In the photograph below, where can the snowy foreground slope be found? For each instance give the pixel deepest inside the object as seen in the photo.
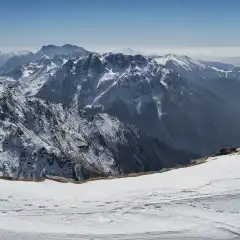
(199, 202)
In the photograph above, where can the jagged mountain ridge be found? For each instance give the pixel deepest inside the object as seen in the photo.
(31, 77)
(138, 91)
(50, 51)
(32, 70)
(92, 78)
(198, 70)
(38, 139)
(221, 78)
(157, 100)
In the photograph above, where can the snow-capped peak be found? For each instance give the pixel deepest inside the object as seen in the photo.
(180, 62)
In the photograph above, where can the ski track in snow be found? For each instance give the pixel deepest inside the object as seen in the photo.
(199, 202)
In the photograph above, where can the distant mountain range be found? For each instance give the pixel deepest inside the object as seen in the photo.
(232, 60)
(5, 56)
(75, 113)
(193, 69)
(17, 60)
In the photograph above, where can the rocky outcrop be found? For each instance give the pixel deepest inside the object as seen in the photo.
(161, 103)
(39, 139)
(227, 151)
(193, 116)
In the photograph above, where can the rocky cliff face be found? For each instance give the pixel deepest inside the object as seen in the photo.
(38, 139)
(182, 113)
(77, 114)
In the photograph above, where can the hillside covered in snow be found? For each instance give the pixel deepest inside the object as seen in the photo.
(198, 202)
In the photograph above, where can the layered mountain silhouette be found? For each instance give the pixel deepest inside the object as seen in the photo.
(132, 113)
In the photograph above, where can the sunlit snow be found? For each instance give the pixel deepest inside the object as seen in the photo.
(199, 202)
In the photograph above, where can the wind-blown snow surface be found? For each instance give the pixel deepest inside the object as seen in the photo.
(199, 202)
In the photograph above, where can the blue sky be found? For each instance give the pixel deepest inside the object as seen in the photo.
(101, 25)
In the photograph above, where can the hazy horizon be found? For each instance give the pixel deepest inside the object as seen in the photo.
(201, 29)
(207, 53)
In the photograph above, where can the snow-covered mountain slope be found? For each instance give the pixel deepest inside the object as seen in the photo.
(180, 62)
(31, 77)
(31, 71)
(38, 139)
(195, 116)
(199, 202)
(34, 76)
(155, 99)
(195, 70)
(49, 51)
(220, 78)
(95, 78)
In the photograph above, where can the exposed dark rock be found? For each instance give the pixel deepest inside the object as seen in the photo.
(39, 139)
(226, 151)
